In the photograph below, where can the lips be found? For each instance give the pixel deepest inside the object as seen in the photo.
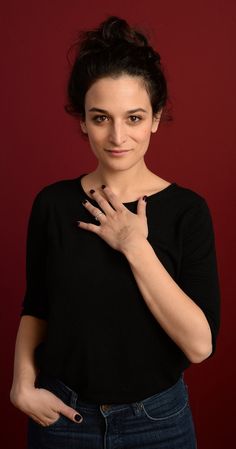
(118, 151)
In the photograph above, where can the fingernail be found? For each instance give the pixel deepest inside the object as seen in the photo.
(92, 191)
(84, 201)
(103, 186)
(145, 198)
(78, 418)
(78, 223)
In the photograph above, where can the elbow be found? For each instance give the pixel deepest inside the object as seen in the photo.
(200, 354)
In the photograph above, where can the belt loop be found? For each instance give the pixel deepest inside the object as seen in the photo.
(137, 407)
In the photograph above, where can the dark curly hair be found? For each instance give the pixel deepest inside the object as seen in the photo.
(114, 49)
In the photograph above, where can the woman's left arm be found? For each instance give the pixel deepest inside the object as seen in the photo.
(189, 311)
(175, 311)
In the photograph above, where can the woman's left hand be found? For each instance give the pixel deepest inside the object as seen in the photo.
(118, 226)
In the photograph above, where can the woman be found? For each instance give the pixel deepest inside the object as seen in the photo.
(122, 284)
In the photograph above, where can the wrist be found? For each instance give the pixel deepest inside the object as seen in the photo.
(19, 391)
(134, 247)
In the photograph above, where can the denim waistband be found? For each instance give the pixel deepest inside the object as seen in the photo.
(71, 398)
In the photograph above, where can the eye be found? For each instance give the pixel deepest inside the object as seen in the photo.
(99, 118)
(136, 118)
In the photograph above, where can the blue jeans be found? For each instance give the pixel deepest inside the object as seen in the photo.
(161, 421)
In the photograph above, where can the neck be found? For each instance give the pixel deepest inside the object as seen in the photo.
(122, 182)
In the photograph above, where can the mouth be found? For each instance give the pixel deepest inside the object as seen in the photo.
(117, 152)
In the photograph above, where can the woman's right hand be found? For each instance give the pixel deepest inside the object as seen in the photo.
(42, 406)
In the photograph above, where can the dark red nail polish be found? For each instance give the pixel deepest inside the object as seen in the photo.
(92, 191)
(78, 418)
(103, 186)
(84, 201)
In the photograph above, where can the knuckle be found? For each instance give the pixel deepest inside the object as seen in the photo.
(110, 194)
(121, 212)
(60, 407)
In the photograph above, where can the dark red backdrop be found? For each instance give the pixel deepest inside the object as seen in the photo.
(41, 144)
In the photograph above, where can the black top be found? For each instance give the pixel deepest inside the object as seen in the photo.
(102, 339)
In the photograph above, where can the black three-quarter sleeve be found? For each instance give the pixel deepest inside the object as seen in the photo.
(35, 299)
(199, 272)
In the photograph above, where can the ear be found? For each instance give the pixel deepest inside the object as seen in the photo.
(83, 127)
(156, 121)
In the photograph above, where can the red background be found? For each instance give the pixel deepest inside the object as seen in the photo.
(42, 144)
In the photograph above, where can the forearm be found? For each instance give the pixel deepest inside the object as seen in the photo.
(30, 333)
(176, 312)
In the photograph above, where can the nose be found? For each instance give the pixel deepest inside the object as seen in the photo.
(117, 134)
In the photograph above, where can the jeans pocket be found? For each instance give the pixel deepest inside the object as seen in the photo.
(168, 404)
(156, 415)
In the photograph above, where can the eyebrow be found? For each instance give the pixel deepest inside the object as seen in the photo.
(106, 112)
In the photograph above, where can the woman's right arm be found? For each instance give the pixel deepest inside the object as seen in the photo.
(38, 403)
(30, 333)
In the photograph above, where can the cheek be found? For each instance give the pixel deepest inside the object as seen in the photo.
(144, 134)
(96, 141)
(96, 135)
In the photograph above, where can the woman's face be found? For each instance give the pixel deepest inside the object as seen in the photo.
(118, 116)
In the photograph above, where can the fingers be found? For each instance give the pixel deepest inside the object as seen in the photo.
(89, 226)
(95, 212)
(110, 198)
(141, 206)
(44, 420)
(108, 211)
(67, 411)
(71, 413)
(92, 209)
(37, 420)
(106, 207)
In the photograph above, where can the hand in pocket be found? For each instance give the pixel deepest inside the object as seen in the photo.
(43, 406)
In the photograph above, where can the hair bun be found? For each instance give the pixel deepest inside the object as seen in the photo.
(115, 29)
(115, 32)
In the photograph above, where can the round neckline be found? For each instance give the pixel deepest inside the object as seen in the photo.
(153, 195)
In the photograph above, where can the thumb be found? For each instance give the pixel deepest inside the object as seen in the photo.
(141, 206)
(71, 413)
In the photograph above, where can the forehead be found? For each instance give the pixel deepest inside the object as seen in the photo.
(123, 92)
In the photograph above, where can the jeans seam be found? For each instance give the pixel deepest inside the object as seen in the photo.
(166, 417)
